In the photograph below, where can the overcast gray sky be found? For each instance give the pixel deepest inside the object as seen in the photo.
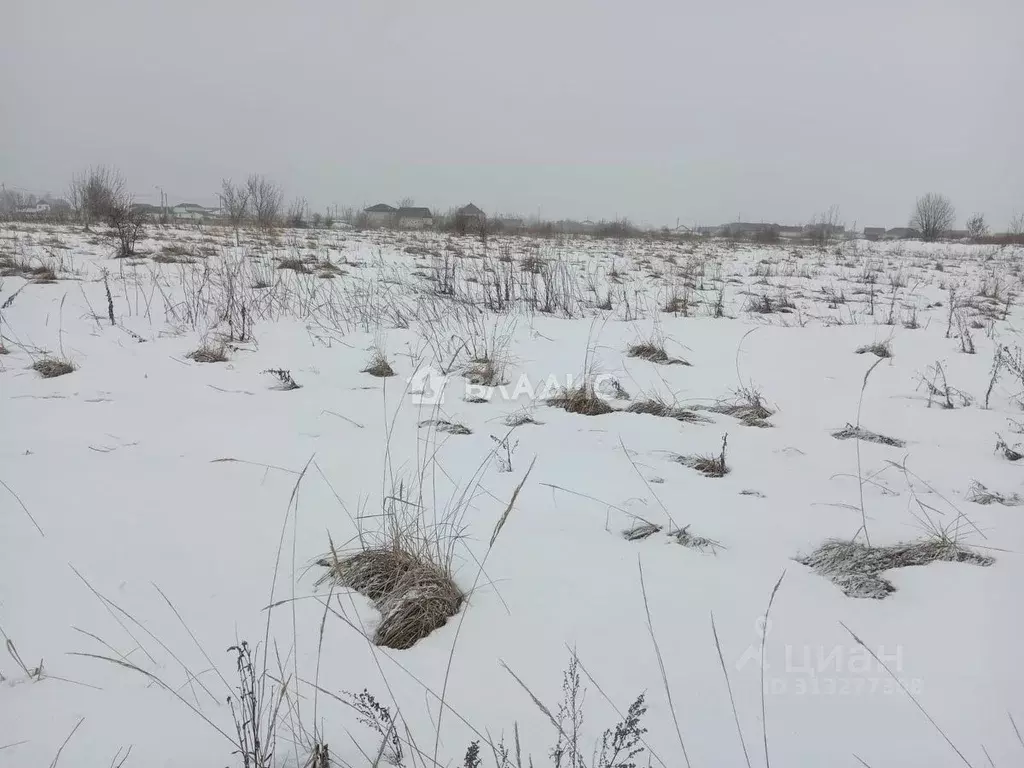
(656, 110)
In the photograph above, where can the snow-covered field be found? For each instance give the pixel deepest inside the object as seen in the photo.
(153, 507)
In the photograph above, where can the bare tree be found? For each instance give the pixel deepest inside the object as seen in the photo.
(297, 213)
(1016, 228)
(976, 226)
(127, 222)
(10, 201)
(265, 197)
(825, 227)
(93, 193)
(933, 216)
(236, 203)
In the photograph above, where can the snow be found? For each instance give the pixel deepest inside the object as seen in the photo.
(150, 473)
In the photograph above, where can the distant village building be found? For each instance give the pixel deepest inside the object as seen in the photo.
(192, 212)
(874, 233)
(510, 224)
(38, 208)
(470, 218)
(380, 215)
(414, 218)
(746, 229)
(901, 233)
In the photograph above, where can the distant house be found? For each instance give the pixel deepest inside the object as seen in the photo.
(472, 212)
(902, 233)
(152, 211)
(380, 215)
(469, 218)
(414, 218)
(874, 233)
(38, 208)
(786, 230)
(509, 224)
(746, 229)
(191, 212)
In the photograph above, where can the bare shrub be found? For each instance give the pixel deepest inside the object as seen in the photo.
(93, 193)
(939, 390)
(266, 198)
(933, 216)
(235, 198)
(256, 715)
(976, 226)
(127, 222)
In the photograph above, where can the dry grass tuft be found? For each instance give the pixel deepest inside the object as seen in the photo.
(209, 354)
(519, 419)
(294, 264)
(856, 568)
(484, 372)
(653, 352)
(655, 406)
(581, 399)
(878, 349)
(640, 530)
(414, 596)
(692, 541)
(379, 366)
(450, 427)
(175, 253)
(52, 367)
(979, 494)
(747, 405)
(850, 431)
(709, 466)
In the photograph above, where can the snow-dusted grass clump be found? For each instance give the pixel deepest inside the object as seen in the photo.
(857, 568)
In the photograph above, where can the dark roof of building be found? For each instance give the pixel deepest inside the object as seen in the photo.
(193, 206)
(414, 213)
(470, 210)
(380, 208)
(748, 226)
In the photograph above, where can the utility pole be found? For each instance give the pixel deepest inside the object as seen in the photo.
(163, 202)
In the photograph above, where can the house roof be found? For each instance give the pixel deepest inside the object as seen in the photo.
(379, 208)
(748, 226)
(414, 213)
(192, 206)
(470, 210)
(874, 230)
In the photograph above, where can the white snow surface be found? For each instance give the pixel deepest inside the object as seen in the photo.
(121, 463)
